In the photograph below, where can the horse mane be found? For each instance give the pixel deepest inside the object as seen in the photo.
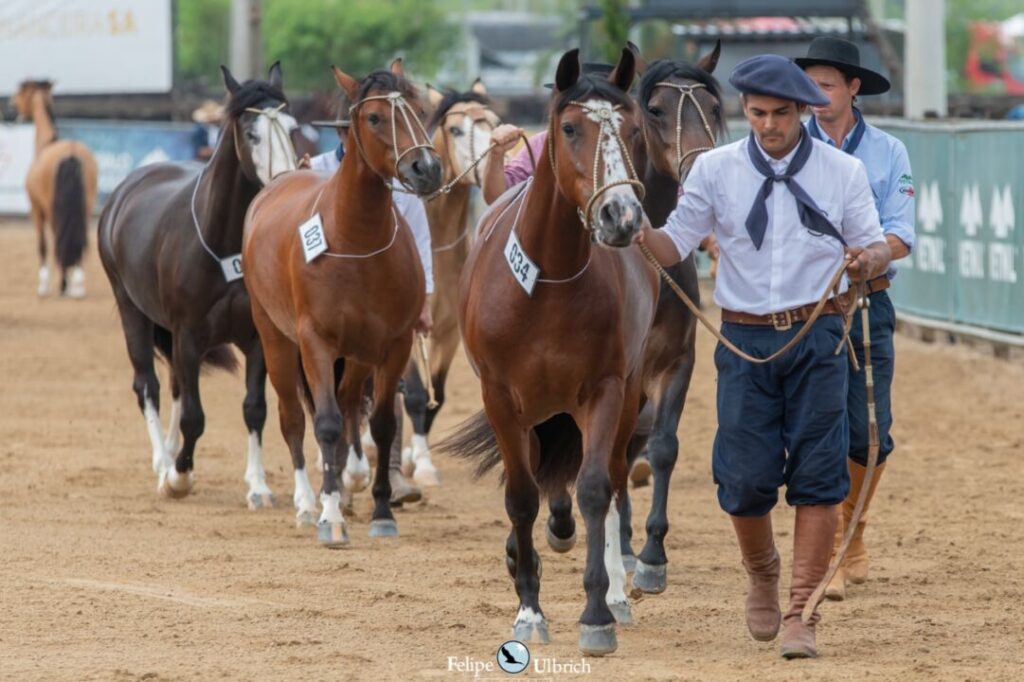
(591, 86)
(250, 94)
(385, 80)
(664, 69)
(451, 98)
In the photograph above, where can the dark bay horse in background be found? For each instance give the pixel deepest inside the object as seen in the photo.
(61, 186)
(462, 123)
(169, 239)
(555, 310)
(337, 288)
(682, 118)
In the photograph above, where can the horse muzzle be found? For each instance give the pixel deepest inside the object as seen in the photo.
(617, 220)
(421, 172)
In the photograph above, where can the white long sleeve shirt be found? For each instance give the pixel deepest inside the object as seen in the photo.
(793, 266)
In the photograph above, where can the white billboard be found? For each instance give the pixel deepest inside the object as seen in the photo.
(87, 46)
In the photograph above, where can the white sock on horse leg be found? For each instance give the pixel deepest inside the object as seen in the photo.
(172, 443)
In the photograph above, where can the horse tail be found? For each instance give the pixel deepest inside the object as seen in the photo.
(69, 219)
(561, 449)
(219, 357)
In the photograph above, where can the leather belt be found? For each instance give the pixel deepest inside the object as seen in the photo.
(782, 320)
(880, 283)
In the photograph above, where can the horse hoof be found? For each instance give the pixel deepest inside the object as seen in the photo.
(650, 579)
(383, 528)
(640, 472)
(558, 544)
(332, 535)
(598, 640)
(175, 485)
(623, 614)
(629, 563)
(524, 632)
(257, 501)
(426, 474)
(305, 519)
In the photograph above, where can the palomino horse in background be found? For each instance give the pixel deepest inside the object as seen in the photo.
(61, 185)
(555, 309)
(169, 238)
(682, 118)
(337, 289)
(462, 125)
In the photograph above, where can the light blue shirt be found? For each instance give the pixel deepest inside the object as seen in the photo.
(889, 175)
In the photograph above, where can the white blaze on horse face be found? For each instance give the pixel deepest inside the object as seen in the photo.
(615, 168)
(613, 557)
(272, 153)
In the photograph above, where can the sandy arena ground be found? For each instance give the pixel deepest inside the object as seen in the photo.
(102, 579)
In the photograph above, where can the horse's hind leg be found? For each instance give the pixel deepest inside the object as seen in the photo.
(254, 411)
(383, 426)
(186, 358)
(138, 335)
(39, 220)
(416, 461)
(282, 363)
(172, 441)
(663, 449)
(561, 527)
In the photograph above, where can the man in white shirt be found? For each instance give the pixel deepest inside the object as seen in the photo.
(785, 209)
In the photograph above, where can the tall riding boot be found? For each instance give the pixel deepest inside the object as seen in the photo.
(855, 564)
(401, 490)
(836, 590)
(814, 533)
(761, 560)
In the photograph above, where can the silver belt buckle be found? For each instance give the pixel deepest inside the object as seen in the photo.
(782, 321)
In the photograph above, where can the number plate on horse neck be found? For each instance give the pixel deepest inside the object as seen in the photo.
(231, 267)
(524, 270)
(311, 234)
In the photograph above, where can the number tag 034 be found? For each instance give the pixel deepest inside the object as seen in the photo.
(523, 269)
(231, 267)
(311, 234)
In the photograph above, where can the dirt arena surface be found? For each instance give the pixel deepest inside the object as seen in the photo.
(102, 579)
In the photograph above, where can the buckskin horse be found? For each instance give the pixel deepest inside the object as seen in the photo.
(61, 186)
(337, 289)
(555, 310)
(169, 239)
(461, 124)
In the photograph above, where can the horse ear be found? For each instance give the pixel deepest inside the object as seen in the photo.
(641, 63)
(434, 96)
(347, 83)
(275, 74)
(568, 71)
(709, 61)
(622, 75)
(479, 88)
(229, 81)
(397, 68)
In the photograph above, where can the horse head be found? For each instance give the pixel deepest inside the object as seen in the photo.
(259, 125)
(28, 91)
(387, 127)
(676, 132)
(462, 125)
(593, 134)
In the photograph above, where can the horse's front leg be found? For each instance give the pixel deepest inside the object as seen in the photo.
(254, 411)
(606, 425)
(383, 425)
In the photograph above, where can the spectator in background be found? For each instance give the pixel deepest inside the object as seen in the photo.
(208, 117)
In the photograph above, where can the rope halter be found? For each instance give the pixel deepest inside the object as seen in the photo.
(478, 116)
(686, 92)
(605, 115)
(399, 105)
(276, 129)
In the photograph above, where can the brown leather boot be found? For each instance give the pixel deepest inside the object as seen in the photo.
(761, 560)
(836, 590)
(855, 564)
(813, 536)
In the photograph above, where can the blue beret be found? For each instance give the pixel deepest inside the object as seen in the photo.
(776, 76)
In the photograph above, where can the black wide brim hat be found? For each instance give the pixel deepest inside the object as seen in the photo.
(845, 56)
(590, 69)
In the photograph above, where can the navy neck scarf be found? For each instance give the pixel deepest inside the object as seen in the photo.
(858, 132)
(810, 215)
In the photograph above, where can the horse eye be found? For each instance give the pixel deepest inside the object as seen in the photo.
(251, 136)
(456, 131)
(568, 129)
(716, 110)
(374, 119)
(654, 111)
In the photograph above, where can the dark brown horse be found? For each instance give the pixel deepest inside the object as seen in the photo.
(682, 118)
(555, 311)
(169, 238)
(461, 124)
(337, 289)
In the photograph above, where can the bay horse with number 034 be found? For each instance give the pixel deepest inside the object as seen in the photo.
(169, 239)
(555, 309)
(337, 289)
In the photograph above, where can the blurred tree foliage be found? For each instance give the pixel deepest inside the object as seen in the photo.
(201, 39)
(612, 30)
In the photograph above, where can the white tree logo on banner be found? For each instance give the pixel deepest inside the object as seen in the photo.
(1003, 221)
(971, 251)
(929, 253)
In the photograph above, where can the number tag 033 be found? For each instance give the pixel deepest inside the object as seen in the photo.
(523, 269)
(311, 234)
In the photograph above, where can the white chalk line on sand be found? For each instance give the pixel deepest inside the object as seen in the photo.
(163, 592)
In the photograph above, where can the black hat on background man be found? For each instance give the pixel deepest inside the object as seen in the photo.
(845, 56)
